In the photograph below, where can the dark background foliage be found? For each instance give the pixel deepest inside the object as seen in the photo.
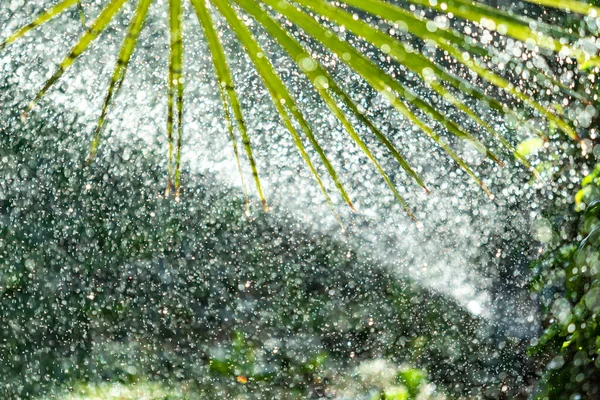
(566, 279)
(104, 279)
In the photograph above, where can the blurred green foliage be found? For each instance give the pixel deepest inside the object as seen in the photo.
(568, 282)
(104, 280)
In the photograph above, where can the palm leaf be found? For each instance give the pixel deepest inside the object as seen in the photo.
(380, 81)
(314, 76)
(127, 48)
(518, 28)
(227, 86)
(571, 6)
(476, 48)
(297, 52)
(442, 80)
(419, 28)
(220, 64)
(281, 96)
(175, 91)
(414, 61)
(491, 18)
(99, 24)
(40, 20)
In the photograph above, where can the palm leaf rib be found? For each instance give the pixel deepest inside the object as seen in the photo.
(463, 46)
(40, 20)
(476, 48)
(99, 24)
(127, 49)
(178, 80)
(175, 92)
(369, 70)
(390, 12)
(340, 93)
(286, 106)
(502, 83)
(380, 81)
(227, 86)
(81, 11)
(297, 52)
(282, 100)
(492, 18)
(217, 51)
(236, 153)
(571, 6)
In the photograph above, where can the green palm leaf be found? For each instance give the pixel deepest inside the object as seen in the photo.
(301, 13)
(81, 11)
(383, 83)
(572, 6)
(430, 72)
(419, 28)
(224, 78)
(40, 20)
(99, 24)
(175, 91)
(494, 19)
(331, 103)
(122, 63)
(227, 86)
(280, 96)
(297, 52)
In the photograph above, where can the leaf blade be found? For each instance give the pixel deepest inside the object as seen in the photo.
(97, 27)
(282, 99)
(390, 12)
(175, 93)
(120, 70)
(571, 6)
(227, 87)
(46, 16)
(378, 79)
(297, 52)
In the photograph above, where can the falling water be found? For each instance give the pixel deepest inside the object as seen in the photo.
(466, 243)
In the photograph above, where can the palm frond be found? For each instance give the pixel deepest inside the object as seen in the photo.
(518, 28)
(321, 85)
(429, 71)
(127, 48)
(40, 20)
(224, 78)
(281, 97)
(418, 26)
(99, 24)
(175, 91)
(297, 52)
(308, 16)
(571, 6)
(227, 86)
(382, 82)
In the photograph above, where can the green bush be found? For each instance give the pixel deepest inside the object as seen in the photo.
(102, 279)
(568, 281)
